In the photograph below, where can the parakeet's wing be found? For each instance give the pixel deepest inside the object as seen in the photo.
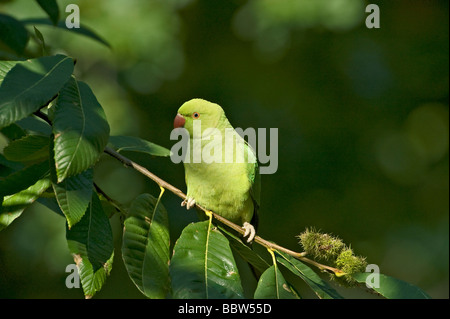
(255, 181)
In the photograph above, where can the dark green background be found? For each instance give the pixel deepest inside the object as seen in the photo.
(362, 117)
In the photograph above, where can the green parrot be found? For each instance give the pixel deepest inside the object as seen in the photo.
(221, 168)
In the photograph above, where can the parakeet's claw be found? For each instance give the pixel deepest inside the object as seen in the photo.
(188, 202)
(249, 231)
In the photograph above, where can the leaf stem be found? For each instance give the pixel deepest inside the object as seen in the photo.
(114, 203)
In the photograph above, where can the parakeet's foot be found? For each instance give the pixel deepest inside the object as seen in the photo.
(188, 202)
(249, 231)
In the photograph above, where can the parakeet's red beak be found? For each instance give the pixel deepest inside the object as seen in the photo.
(179, 121)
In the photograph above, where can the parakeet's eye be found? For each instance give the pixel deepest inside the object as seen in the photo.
(195, 115)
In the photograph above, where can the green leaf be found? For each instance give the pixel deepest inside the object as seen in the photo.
(35, 125)
(41, 39)
(8, 167)
(135, 144)
(145, 246)
(29, 85)
(74, 195)
(82, 30)
(92, 281)
(317, 284)
(51, 8)
(92, 236)
(203, 266)
(23, 178)
(13, 35)
(392, 288)
(13, 132)
(248, 254)
(272, 285)
(5, 67)
(91, 243)
(51, 203)
(80, 129)
(28, 149)
(14, 205)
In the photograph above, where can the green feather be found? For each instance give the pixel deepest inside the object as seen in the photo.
(230, 189)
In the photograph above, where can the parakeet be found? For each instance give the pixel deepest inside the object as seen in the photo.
(221, 169)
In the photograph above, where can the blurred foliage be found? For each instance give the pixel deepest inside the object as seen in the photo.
(362, 115)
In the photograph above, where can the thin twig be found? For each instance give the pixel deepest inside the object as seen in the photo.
(162, 183)
(114, 203)
(127, 162)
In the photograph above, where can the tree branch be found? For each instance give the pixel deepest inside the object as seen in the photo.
(162, 183)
